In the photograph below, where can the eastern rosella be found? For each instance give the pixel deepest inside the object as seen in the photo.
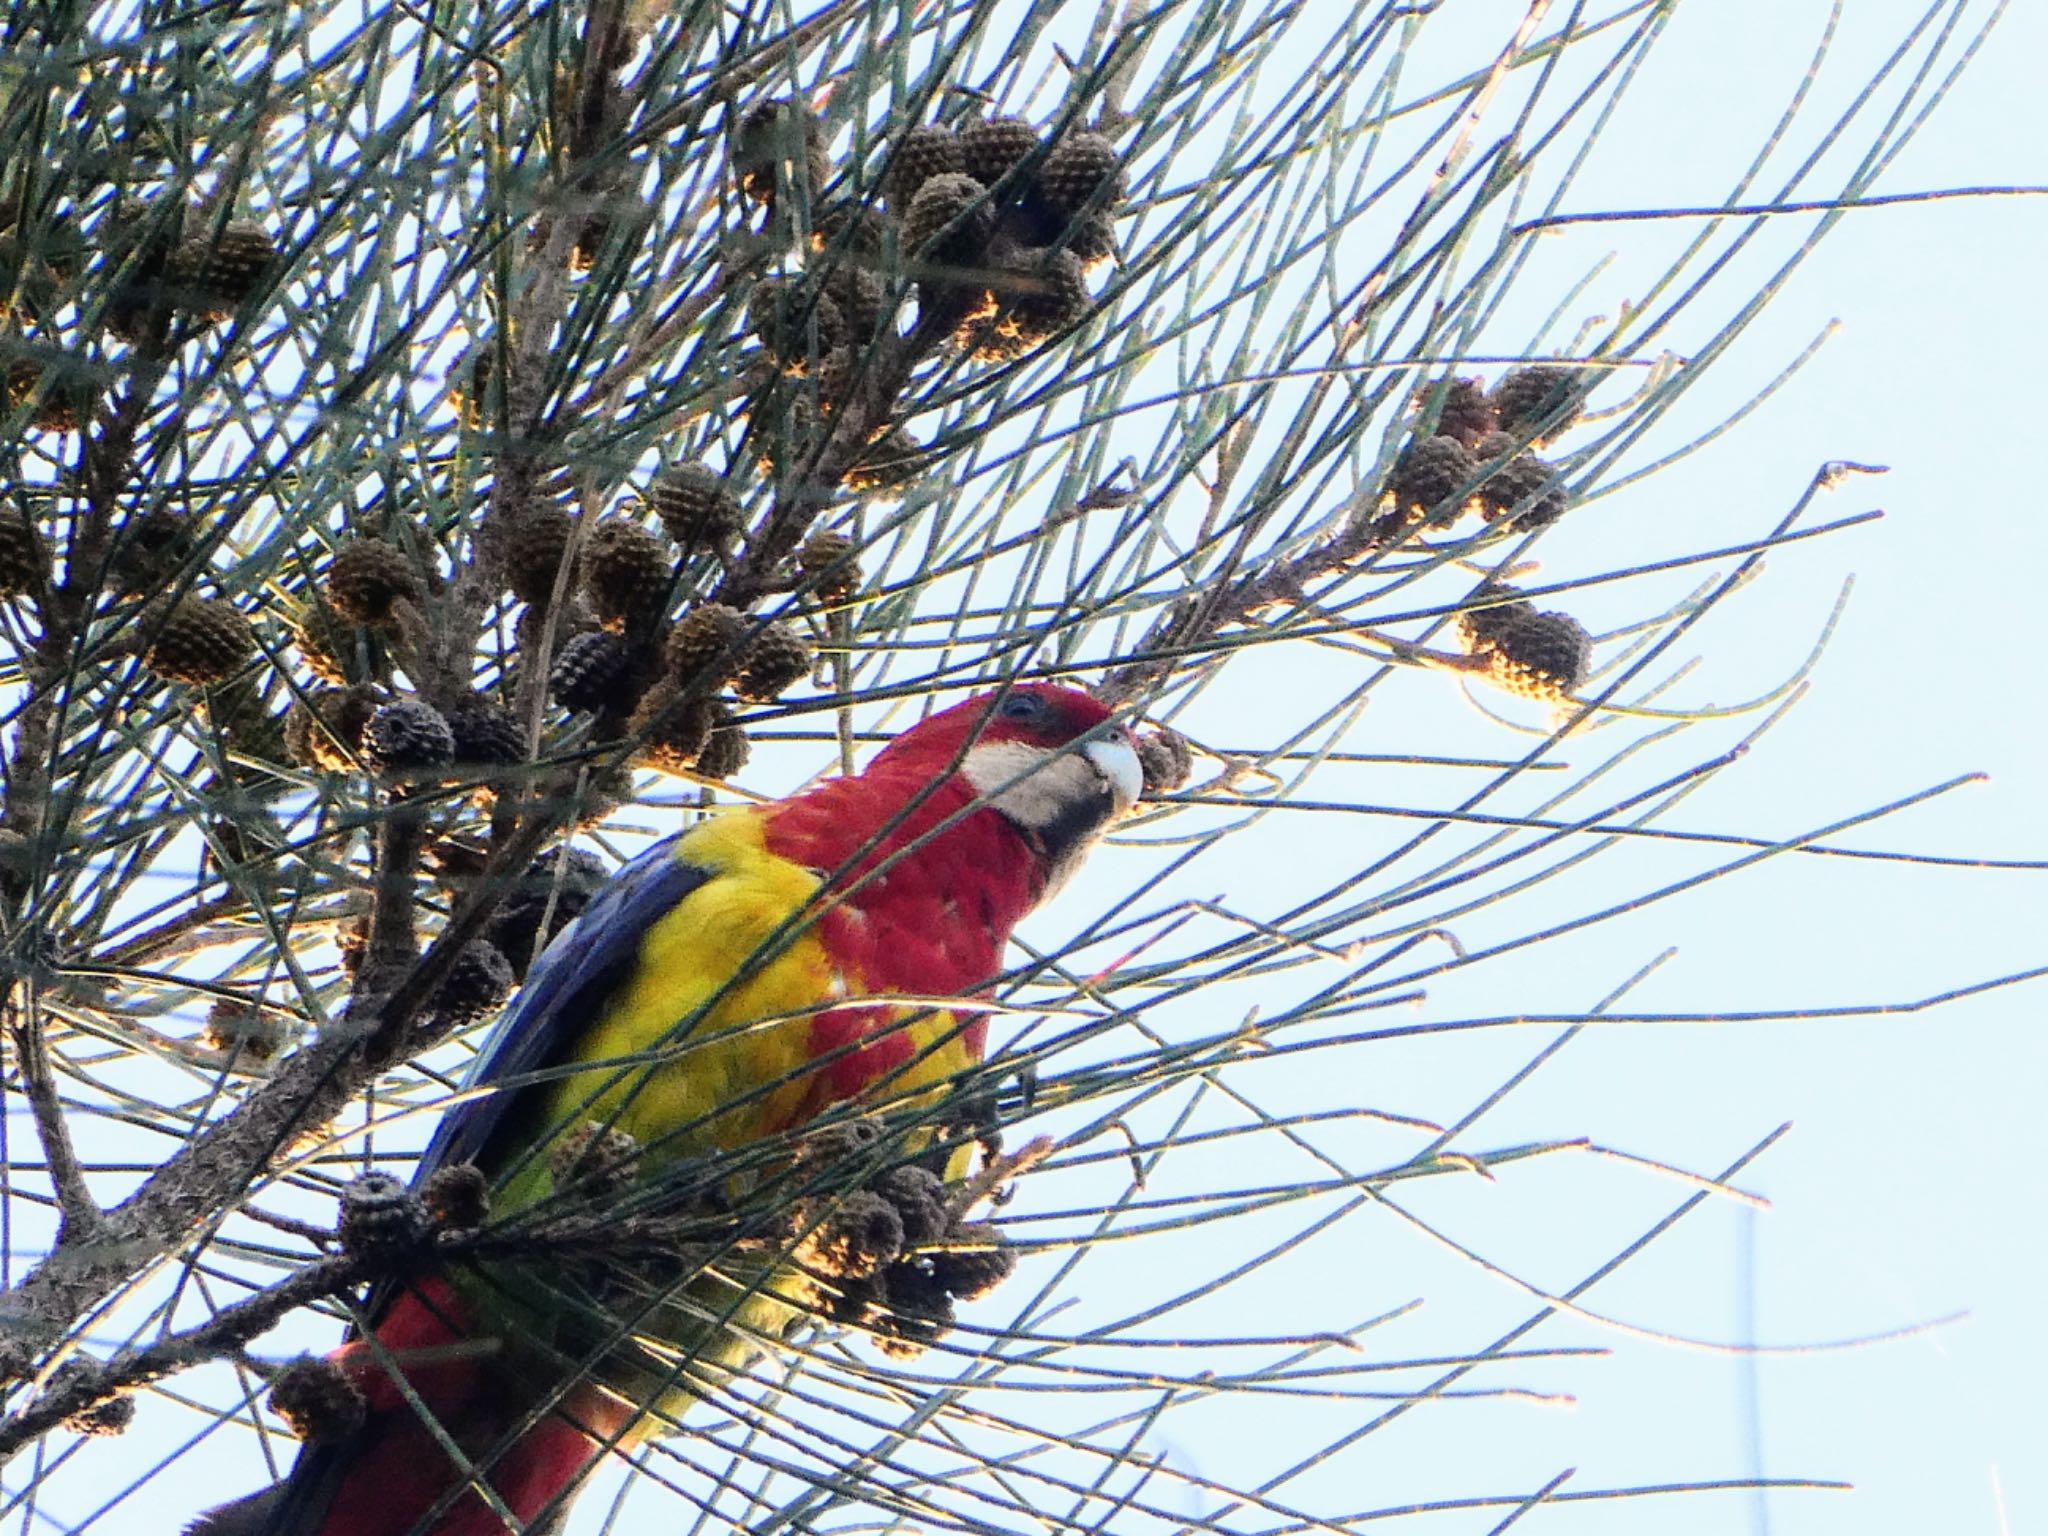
(714, 967)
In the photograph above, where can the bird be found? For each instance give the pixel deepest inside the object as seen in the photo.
(708, 1000)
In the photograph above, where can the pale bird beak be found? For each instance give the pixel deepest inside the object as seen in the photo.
(1116, 759)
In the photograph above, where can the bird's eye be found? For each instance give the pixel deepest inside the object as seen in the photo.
(1025, 708)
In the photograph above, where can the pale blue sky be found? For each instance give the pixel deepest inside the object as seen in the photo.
(1907, 1189)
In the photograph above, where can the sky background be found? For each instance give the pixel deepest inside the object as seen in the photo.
(1907, 1190)
(1905, 1195)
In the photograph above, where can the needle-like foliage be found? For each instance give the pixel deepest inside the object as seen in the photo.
(444, 445)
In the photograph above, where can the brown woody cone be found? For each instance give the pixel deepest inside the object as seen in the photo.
(971, 1273)
(920, 1200)
(795, 321)
(949, 223)
(697, 507)
(601, 791)
(827, 565)
(1541, 401)
(380, 1218)
(1546, 656)
(1092, 239)
(861, 296)
(777, 660)
(918, 156)
(1495, 447)
(1466, 413)
(725, 751)
(325, 729)
(915, 1311)
(334, 651)
(892, 461)
(486, 733)
(627, 574)
(197, 640)
(1478, 627)
(1522, 485)
(317, 1401)
(535, 545)
(475, 987)
(215, 272)
(707, 646)
(672, 732)
(995, 147)
(1081, 170)
(367, 578)
(855, 230)
(1058, 297)
(534, 626)
(408, 736)
(1430, 474)
(596, 673)
(782, 134)
(859, 1234)
(457, 1197)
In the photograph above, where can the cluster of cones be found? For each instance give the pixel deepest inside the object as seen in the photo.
(990, 224)
(618, 657)
(888, 1251)
(895, 1254)
(597, 601)
(993, 225)
(149, 273)
(1475, 452)
(149, 267)
(1535, 653)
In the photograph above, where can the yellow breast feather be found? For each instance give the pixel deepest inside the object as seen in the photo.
(704, 1045)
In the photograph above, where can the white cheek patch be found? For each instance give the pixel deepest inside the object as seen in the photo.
(1026, 783)
(1062, 800)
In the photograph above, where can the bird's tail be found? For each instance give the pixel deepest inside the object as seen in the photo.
(431, 1383)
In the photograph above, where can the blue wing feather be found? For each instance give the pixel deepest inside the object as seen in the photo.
(570, 981)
